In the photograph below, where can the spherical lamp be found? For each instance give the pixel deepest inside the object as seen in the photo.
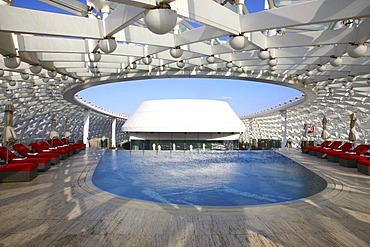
(45, 79)
(299, 77)
(335, 61)
(64, 77)
(35, 69)
(229, 64)
(25, 76)
(356, 51)
(272, 62)
(12, 83)
(107, 45)
(308, 72)
(239, 70)
(95, 56)
(126, 70)
(238, 42)
(181, 64)
(133, 65)
(321, 68)
(12, 62)
(52, 73)
(211, 59)
(147, 60)
(273, 68)
(176, 52)
(263, 54)
(160, 21)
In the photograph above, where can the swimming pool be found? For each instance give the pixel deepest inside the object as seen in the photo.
(205, 178)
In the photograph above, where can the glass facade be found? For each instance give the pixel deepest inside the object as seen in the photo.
(184, 145)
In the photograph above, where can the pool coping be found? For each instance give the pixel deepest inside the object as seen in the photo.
(334, 188)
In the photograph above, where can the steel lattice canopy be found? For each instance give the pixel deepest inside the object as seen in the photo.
(47, 58)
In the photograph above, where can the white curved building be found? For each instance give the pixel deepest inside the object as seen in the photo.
(184, 122)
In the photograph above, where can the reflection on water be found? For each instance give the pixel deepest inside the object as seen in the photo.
(205, 178)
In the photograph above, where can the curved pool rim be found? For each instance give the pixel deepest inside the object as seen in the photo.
(333, 188)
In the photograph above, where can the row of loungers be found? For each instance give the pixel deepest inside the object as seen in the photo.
(33, 158)
(343, 153)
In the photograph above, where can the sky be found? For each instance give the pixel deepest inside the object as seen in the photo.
(243, 96)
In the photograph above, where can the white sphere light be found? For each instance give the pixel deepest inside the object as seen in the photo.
(201, 67)
(160, 21)
(272, 62)
(52, 73)
(273, 68)
(356, 51)
(308, 72)
(12, 83)
(299, 77)
(1, 72)
(95, 56)
(25, 76)
(35, 69)
(133, 65)
(211, 59)
(64, 77)
(107, 45)
(147, 60)
(180, 64)
(321, 68)
(335, 61)
(12, 62)
(176, 52)
(238, 42)
(264, 54)
(126, 70)
(45, 79)
(239, 70)
(229, 64)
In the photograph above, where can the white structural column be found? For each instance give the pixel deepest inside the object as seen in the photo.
(86, 127)
(284, 131)
(114, 123)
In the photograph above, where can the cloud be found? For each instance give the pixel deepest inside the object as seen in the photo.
(225, 98)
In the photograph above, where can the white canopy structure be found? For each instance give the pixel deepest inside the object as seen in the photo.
(319, 47)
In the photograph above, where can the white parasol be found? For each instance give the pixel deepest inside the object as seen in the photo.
(53, 132)
(324, 134)
(9, 136)
(66, 130)
(353, 135)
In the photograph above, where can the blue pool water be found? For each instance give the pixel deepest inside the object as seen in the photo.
(205, 179)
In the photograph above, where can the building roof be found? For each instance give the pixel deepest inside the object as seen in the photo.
(184, 115)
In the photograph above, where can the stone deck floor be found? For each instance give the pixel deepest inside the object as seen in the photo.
(62, 208)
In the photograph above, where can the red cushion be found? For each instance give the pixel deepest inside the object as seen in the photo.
(40, 150)
(31, 160)
(335, 153)
(333, 145)
(46, 146)
(18, 167)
